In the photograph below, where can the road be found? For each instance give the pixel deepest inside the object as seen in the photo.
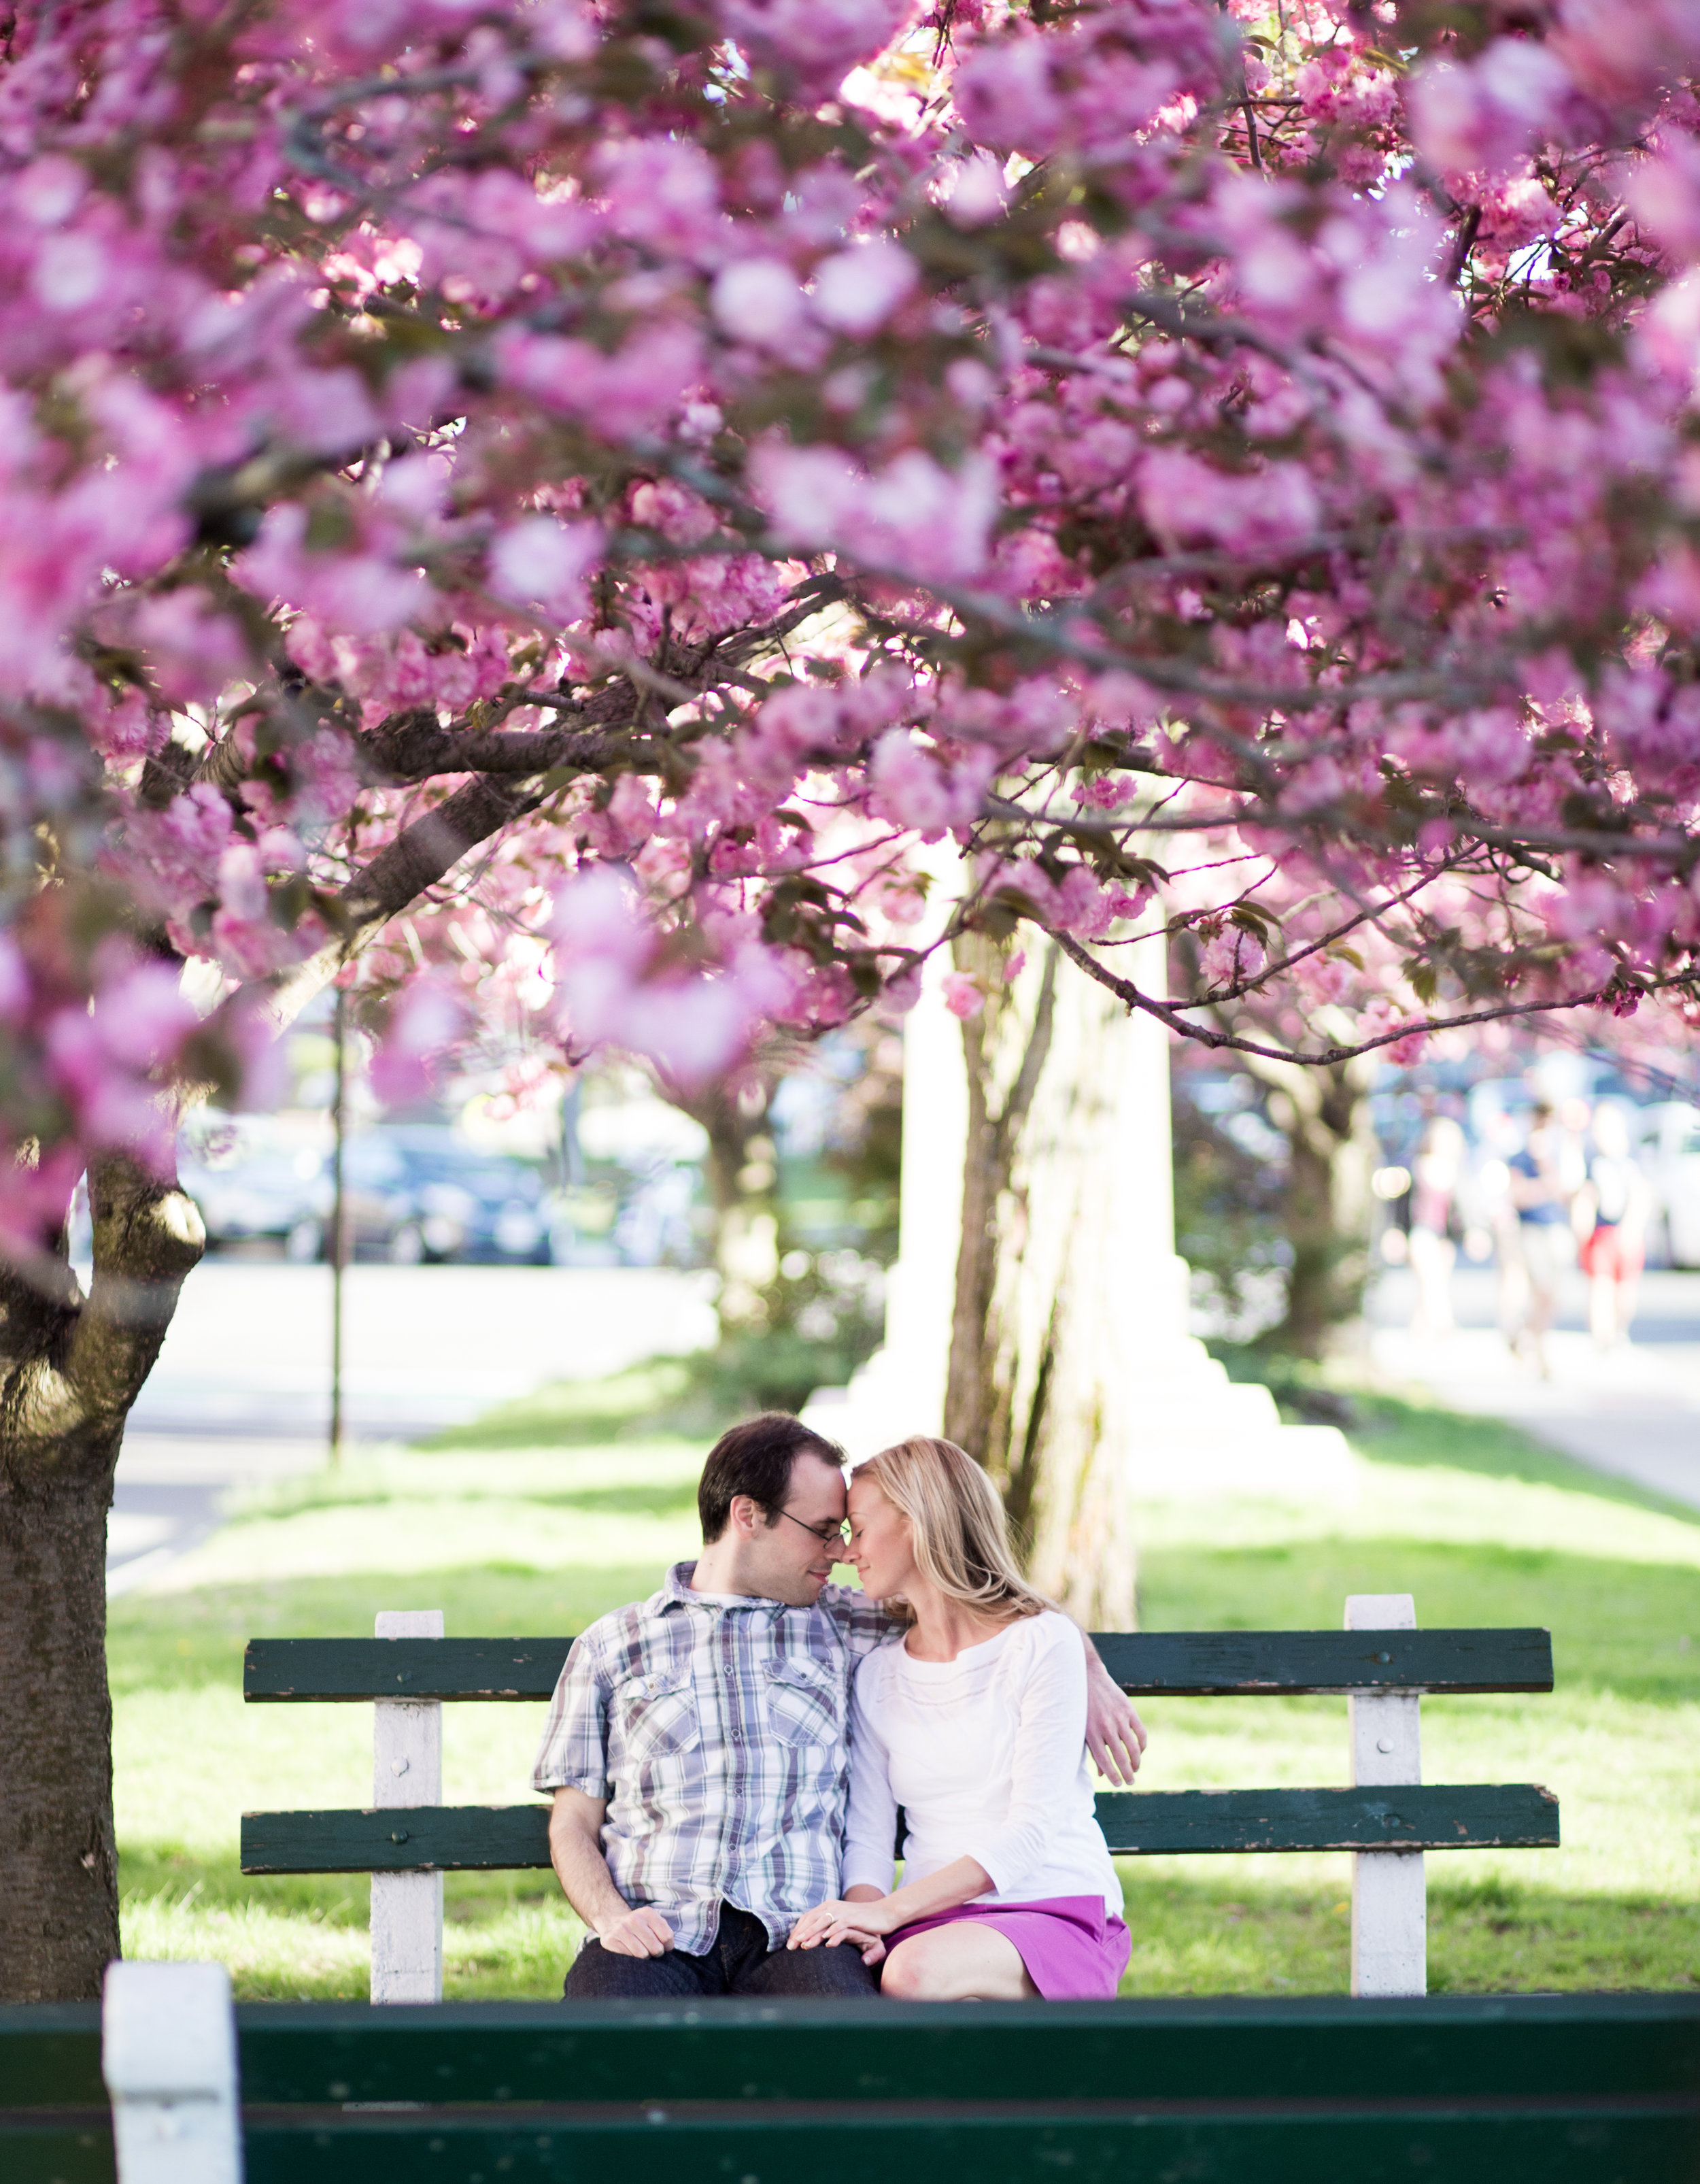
(240, 1393)
(1634, 1412)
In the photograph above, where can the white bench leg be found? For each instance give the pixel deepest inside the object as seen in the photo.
(407, 1770)
(1389, 1888)
(169, 2056)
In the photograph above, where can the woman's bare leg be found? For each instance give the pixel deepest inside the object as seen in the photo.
(964, 1962)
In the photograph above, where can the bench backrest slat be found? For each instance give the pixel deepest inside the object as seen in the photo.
(1146, 1663)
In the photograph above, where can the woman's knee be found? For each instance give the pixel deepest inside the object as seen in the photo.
(909, 1972)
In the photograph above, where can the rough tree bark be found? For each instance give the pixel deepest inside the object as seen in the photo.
(1033, 1390)
(72, 1365)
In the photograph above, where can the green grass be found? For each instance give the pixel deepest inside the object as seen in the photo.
(557, 1507)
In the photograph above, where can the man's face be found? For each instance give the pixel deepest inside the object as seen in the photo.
(792, 1558)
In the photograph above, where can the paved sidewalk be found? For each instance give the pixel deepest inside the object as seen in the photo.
(240, 1394)
(1634, 1412)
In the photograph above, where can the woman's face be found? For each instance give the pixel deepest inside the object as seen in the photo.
(880, 1546)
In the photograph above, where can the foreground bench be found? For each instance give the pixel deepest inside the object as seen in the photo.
(1380, 1662)
(1517, 2089)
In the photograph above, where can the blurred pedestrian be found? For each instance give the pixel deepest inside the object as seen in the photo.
(1612, 1205)
(1434, 1175)
(1540, 1193)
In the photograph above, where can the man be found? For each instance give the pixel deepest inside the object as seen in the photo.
(696, 1744)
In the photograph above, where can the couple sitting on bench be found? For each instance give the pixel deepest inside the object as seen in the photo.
(728, 1757)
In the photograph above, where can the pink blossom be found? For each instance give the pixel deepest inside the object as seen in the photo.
(427, 1021)
(626, 822)
(962, 995)
(1184, 500)
(816, 41)
(542, 563)
(355, 591)
(759, 300)
(976, 192)
(629, 392)
(856, 291)
(1084, 908)
(194, 650)
(1002, 91)
(913, 516)
(914, 788)
(14, 981)
(1481, 116)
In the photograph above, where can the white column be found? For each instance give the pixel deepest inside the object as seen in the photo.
(169, 2056)
(407, 1770)
(1389, 1892)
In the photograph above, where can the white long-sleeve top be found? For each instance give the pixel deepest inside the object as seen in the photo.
(986, 1754)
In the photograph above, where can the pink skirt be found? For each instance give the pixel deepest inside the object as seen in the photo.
(1073, 1949)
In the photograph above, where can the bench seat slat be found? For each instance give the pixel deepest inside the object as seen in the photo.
(496, 1838)
(1147, 1663)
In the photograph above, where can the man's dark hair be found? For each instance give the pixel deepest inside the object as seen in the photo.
(755, 1458)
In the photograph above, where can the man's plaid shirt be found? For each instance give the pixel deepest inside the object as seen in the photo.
(716, 1729)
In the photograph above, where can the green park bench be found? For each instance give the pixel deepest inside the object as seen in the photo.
(1389, 2085)
(1451, 2089)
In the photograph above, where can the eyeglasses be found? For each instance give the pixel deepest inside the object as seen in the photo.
(837, 1531)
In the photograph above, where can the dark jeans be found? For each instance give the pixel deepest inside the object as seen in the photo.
(738, 1962)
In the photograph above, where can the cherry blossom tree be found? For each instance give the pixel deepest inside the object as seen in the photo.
(563, 500)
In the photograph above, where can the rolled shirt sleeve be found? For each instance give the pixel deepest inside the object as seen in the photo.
(1049, 1741)
(574, 1752)
(870, 1830)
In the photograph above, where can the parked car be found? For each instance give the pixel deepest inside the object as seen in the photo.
(418, 1192)
(254, 1184)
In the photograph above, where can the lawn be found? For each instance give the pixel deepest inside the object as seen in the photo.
(552, 1510)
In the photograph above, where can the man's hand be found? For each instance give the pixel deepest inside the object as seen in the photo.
(576, 1847)
(641, 1933)
(1115, 1734)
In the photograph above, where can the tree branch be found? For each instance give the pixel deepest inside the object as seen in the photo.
(1170, 1013)
(420, 855)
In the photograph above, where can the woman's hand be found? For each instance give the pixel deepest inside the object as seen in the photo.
(862, 1924)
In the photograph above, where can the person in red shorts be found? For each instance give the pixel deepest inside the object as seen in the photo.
(1613, 1209)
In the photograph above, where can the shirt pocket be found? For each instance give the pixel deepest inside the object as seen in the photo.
(805, 1704)
(661, 1716)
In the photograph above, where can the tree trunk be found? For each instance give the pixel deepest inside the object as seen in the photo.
(741, 1177)
(1324, 1118)
(1035, 1392)
(73, 1366)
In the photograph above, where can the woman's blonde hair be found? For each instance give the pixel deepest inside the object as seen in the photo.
(958, 1531)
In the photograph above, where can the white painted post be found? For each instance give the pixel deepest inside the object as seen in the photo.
(168, 2055)
(407, 1770)
(1389, 1890)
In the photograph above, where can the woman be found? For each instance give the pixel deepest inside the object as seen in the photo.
(973, 1719)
